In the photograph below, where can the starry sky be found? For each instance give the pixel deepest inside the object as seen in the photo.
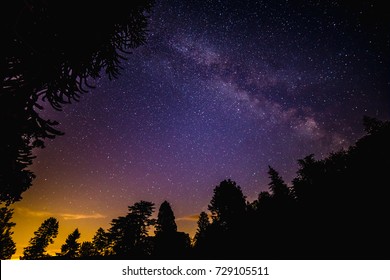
(222, 89)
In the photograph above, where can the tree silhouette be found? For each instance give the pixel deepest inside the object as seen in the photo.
(168, 243)
(277, 186)
(365, 201)
(7, 245)
(200, 238)
(263, 202)
(165, 219)
(40, 63)
(87, 250)
(101, 242)
(373, 125)
(225, 236)
(129, 234)
(278, 213)
(259, 217)
(228, 204)
(42, 238)
(15, 156)
(336, 208)
(347, 194)
(203, 225)
(70, 249)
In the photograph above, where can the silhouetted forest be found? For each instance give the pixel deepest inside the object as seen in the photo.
(335, 208)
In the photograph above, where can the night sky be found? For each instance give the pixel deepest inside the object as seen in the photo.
(222, 89)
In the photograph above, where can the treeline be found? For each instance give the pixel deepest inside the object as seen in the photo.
(127, 238)
(335, 208)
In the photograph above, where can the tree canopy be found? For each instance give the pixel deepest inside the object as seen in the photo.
(52, 52)
(165, 219)
(228, 204)
(129, 234)
(44, 236)
(7, 245)
(70, 249)
(101, 242)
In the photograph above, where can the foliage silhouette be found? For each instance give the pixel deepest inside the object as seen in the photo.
(70, 250)
(129, 235)
(335, 208)
(276, 211)
(225, 235)
(40, 63)
(277, 186)
(165, 219)
(87, 250)
(168, 242)
(101, 243)
(200, 238)
(7, 245)
(347, 193)
(44, 236)
(227, 205)
(203, 225)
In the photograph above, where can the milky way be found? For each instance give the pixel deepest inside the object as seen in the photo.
(219, 91)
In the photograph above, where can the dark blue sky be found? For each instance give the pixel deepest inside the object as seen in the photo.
(222, 89)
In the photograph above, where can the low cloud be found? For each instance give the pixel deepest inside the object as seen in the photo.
(66, 216)
(82, 216)
(191, 218)
(32, 213)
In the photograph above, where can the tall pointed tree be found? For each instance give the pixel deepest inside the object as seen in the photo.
(277, 186)
(71, 247)
(43, 237)
(101, 242)
(168, 242)
(203, 224)
(165, 219)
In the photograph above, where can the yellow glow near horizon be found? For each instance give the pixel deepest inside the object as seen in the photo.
(28, 221)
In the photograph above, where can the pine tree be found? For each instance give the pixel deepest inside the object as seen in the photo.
(43, 237)
(71, 247)
(203, 224)
(165, 219)
(277, 186)
(101, 242)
